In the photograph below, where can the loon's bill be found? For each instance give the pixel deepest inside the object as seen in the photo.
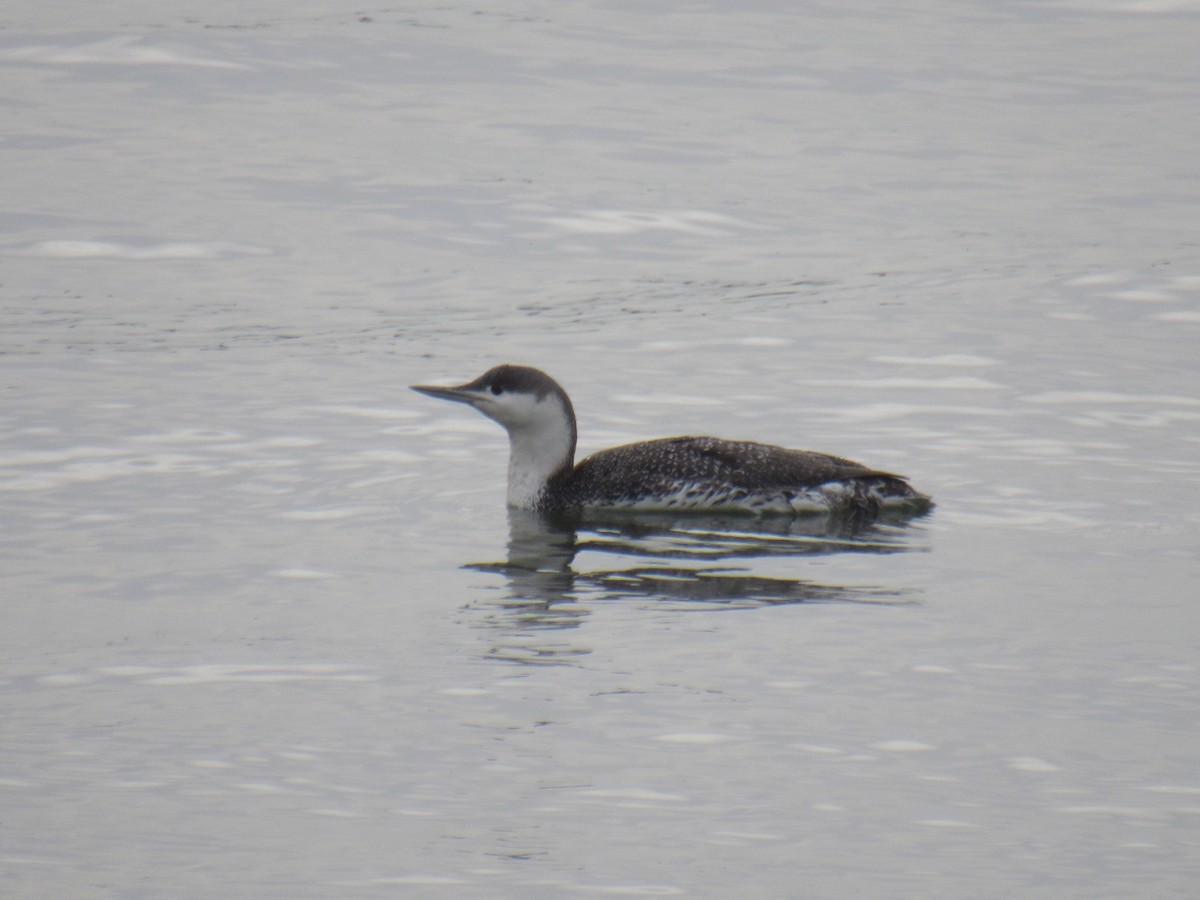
(669, 474)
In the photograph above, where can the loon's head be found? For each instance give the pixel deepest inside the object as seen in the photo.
(518, 397)
(538, 416)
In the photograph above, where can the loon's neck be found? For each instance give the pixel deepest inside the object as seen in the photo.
(536, 455)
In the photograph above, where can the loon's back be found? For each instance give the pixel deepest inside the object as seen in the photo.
(709, 473)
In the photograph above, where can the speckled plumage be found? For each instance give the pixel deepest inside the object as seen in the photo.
(710, 473)
(680, 473)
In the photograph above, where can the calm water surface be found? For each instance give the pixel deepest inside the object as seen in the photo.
(269, 629)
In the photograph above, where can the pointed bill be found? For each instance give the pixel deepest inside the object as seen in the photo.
(462, 394)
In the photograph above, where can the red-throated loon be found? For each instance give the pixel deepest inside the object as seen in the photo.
(681, 473)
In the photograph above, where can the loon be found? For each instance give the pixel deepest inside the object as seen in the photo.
(669, 474)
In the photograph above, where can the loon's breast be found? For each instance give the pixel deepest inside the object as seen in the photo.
(704, 473)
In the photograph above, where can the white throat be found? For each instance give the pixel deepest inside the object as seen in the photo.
(539, 447)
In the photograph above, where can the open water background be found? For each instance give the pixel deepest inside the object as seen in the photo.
(262, 637)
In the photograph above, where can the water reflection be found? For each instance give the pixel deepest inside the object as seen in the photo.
(672, 560)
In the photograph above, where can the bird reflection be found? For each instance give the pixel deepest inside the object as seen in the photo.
(679, 562)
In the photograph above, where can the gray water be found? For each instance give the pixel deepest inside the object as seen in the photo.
(269, 630)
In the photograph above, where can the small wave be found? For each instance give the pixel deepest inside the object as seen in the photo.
(71, 249)
(117, 51)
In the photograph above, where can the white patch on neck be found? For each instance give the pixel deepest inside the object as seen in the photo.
(539, 437)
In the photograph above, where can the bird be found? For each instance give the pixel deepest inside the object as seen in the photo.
(675, 474)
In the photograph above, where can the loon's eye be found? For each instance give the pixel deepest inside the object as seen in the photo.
(497, 390)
